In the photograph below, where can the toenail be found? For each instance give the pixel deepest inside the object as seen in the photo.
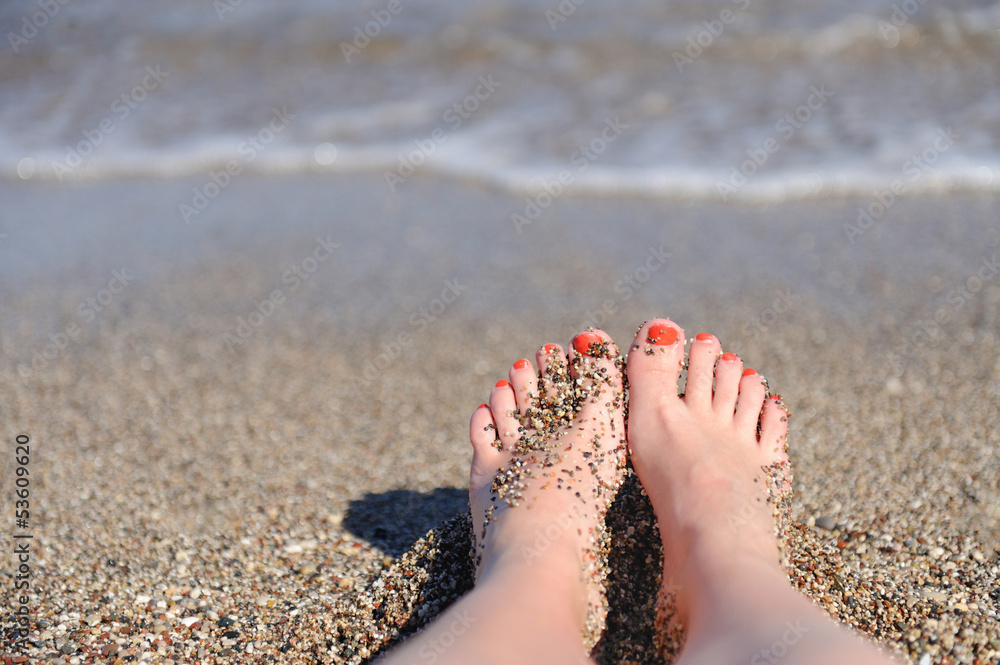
(502, 384)
(748, 371)
(583, 341)
(729, 356)
(704, 337)
(550, 349)
(522, 364)
(482, 406)
(661, 335)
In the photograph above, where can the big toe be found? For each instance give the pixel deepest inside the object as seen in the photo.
(655, 361)
(594, 360)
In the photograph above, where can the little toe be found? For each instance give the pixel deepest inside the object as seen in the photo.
(487, 458)
(749, 402)
(505, 414)
(774, 430)
(727, 383)
(524, 381)
(701, 370)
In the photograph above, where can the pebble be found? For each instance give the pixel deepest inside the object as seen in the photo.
(826, 522)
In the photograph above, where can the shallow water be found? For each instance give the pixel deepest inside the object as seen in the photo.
(728, 100)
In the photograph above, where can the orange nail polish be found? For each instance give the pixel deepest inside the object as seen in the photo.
(748, 371)
(550, 349)
(522, 364)
(502, 384)
(583, 341)
(704, 337)
(661, 335)
(729, 356)
(483, 406)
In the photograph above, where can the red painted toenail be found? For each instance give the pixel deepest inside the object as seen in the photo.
(729, 356)
(483, 406)
(550, 349)
(502, 384)
(748, 371)
(661, 335)
(522, 364)
(704, 337)
(583, 341)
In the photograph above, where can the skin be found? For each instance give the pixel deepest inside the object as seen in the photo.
(702, 462)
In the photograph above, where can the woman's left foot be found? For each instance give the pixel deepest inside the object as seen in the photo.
(548, 458)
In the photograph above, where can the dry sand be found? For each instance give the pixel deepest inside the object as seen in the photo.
(300, 498)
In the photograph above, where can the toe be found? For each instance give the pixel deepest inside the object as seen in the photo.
(727, 383)
(749, 402)
(553, 370)
(505, 414)
(593, 367)
(774, 430)
(598, 380)
(524, 381)
(486, 458)
(701, 370)
(654, 365)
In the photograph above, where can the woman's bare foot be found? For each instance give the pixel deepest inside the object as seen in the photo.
(714, 463)
(548, 457)
(548, 454)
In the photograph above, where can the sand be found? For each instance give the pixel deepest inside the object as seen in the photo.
(298, 497)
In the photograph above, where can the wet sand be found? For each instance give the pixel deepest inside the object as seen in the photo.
(291, 488)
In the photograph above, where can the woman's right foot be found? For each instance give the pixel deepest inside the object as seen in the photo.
(714, 465)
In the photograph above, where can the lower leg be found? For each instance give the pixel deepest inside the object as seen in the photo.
(505, 619)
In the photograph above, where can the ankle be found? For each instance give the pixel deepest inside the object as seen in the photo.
(548, 584)
(719, 585)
